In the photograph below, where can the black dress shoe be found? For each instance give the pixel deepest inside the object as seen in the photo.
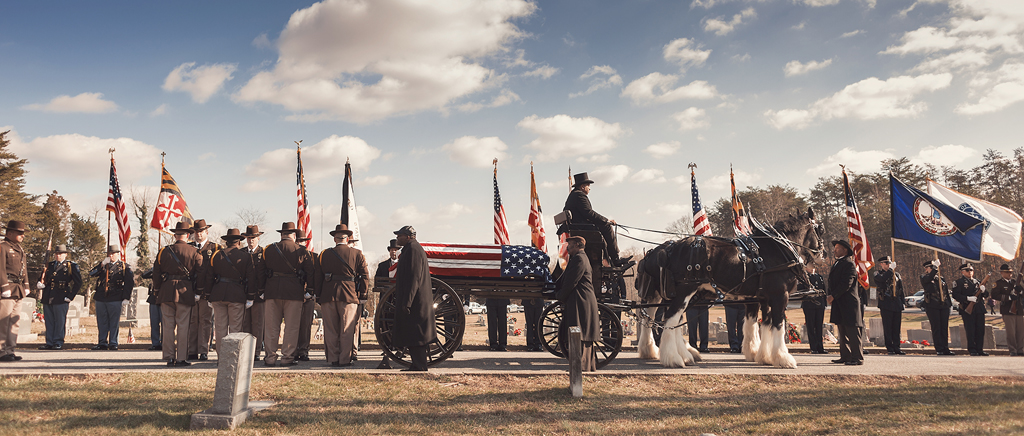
(355, 358)
(983, 353)
(204, 357)
(901, 352)
(99, 347)
(838, 361)
(855, 362)
(112, 348)
(946, 353)
(8, 358)
(704, 350)
(46, 347)
(58, 347)
(155, 348)
(182, 363)
(892, 353)
(292, 363)
(974, 354)
(302, 357)
(865, 352)
(341, 365)
(170, 362)
(192, 357)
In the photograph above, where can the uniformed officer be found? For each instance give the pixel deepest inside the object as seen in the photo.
(174, 273)
(114, 284)
(814, 312)
(578, 204)
(231, 279)
(13, 287)
(61, 282)
(890, 303)
(936, 303)
(253, 321)
(286, 267)
(967, 290)
(201, 330)
(1011, 307)
(844, 297)
(308, 304)
(338, 269)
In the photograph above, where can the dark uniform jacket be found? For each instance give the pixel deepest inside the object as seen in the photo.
(935, 296)
(842, 286)
(114, 281)
(62, 280)
(259, 265)
(14, 265)
(965, 287)
(414, 299)
(889, 285)
(230, 276)
(288, 267)
(1006, 291)
(207, 250)
(382, 272)
(173, 278)
(338, 270)
(582, 212)
(815, 302)
(576, 293)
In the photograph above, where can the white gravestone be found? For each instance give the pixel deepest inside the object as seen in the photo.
(231, 406)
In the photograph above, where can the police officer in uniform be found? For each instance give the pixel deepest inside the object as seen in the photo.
(287, 266)
(967, 290)
(61, 282)
(936, 303)
(308, 305)
(814, 312)
(253, 321)
(114, 285)
(890, 303)
(1009, 293)
(13, 287)
(337, 271)
(201, 331)
(844, 297)
(231, 279)
(578, 204)
(174, 274)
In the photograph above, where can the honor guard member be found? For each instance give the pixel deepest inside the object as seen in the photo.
(578, 204)
(338, 270)
(231, 279)
(415, 326)
(286, 267)
(936, 303)
(308, 304)
(970, 295)
(13, 287)
(174, 273)
(362, 288)
(155, 317)
(1009, 293)
(579, 303)
(890, 303)
(253, 322)
(61, 282)
(114, 284)
(201, 330)
(814, 312)
(844, 297)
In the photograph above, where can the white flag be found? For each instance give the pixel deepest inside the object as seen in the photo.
(1002, 225)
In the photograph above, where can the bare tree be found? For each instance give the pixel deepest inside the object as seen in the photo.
(143, 201)
(681, 227)
(248, 216)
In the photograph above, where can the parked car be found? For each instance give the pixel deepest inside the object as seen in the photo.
(475, 308)
(915, 300)
(514, 308)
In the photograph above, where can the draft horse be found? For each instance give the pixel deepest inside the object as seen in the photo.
(760, 271)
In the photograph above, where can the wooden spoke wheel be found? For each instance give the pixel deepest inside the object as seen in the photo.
(449, 318)
(611, 332)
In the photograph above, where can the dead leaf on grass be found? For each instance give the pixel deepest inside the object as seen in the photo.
(450, 385)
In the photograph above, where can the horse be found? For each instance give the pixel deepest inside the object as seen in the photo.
(765, 267)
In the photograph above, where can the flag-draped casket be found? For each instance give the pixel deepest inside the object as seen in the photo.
(485, 261)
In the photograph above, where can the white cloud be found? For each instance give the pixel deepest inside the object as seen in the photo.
(86, 103)
(662, 150)
(476, 152)
(969, 59)
(603, 76)
(597, 158)
(998, 90)
(450, 211)
(857, 161)
(794, 68)
(262, 41)
(564, 136)
(365, 61)
(505, 97)
(945, 155)
(721, 181)
(207, 156)
(657, 88)
(722, 27)
(609, 175)
(851, 33)
(868, 99)
(406, 215)
(201, 82)
(685, 53)
(323, 159)
(923, 40)
(544, 72)
(670, 210)
(81, 157)
(160, 110)
(376, 181)
(691, 118)
(799, 26)
(411, 215)
(741, 58)
(648, 175)
(819, 3)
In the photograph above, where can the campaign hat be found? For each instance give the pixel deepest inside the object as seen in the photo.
(15, 226)
(182, 228)
(252, 231)
(200, 225)
(61, 248)
(233, 234)
(343, 229)
(288, 227)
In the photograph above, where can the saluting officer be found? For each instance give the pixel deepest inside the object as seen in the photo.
(966, 291)
(337, 271)
(231, 279)
(201, 330)
(13, 287)
(253, 321)
(890, 303)
(174, 273)
(60, 284)
(114, 285)
(287, 267)
(936, 303)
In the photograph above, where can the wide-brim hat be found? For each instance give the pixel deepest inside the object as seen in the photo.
(342, 229)
(182, 228)
(233, 234)
(1005, 268)
(200, 225)
(303, 235)
(966, 267)
(288, 227)
(885, 259)
(845, 244)
(252, 231)
(15, 226)
(61, 249)
(406, 230)
(581, 179)
(393, 245)
(111, 249)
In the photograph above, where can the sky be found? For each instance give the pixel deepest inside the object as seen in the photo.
(420, 96)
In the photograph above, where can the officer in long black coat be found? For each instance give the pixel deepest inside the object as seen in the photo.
(890, 303)
(579, 303)
(936, 303)
(845, 300)
(415, 326)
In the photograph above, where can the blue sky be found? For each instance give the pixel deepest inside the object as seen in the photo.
(422, 95)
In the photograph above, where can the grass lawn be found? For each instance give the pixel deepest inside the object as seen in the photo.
(426, 405)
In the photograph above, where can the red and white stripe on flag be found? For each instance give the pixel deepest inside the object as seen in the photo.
(861, 251)
(463, 260)
(303, 205)
(115, 204)
(500, 223)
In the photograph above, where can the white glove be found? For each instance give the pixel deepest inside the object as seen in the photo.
(125, 302)
(40, 285)
(67, 300)
(197, 298)
(307, 296)
(262, 296)
(248, 304)
(937, 262)
(972, 299)
(982, 287)
(5, 294)
(106, 260)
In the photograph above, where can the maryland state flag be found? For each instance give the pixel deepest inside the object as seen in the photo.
(740, 225)
(170, 206)
(536, 220)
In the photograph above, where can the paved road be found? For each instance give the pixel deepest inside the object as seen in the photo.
(73, 362)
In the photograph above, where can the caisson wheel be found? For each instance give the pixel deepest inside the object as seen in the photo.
(449, 319)
(611, 332)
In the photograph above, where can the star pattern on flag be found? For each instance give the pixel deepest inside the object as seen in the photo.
(521, 261)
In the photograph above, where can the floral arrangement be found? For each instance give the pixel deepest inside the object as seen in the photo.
(792, 334)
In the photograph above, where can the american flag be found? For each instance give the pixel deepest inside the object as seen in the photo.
(170, 206)
(861, 251)
(115, 204)
(303, 205)
(536, 220)
(740, 225)
(466, 260)
(701, 226)
(500, 223)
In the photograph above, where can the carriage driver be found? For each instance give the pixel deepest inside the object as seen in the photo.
(578, 204)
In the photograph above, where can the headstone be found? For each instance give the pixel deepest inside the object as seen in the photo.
(231, 405)
(957, 336)
(73, 326)
(136, 312)
(28, 307)
(722, 337)
(919, 335)
(926, 325)
(575, 361)
(1000, 337)
(990, 338)
(875, 328)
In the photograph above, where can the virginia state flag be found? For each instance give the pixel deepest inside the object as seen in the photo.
(920, 219)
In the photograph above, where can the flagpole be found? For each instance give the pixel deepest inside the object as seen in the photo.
(159, 234)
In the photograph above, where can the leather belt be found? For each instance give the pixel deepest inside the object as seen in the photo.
(277, 274)
(227, 280)
(330, 277)
(177, 277)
